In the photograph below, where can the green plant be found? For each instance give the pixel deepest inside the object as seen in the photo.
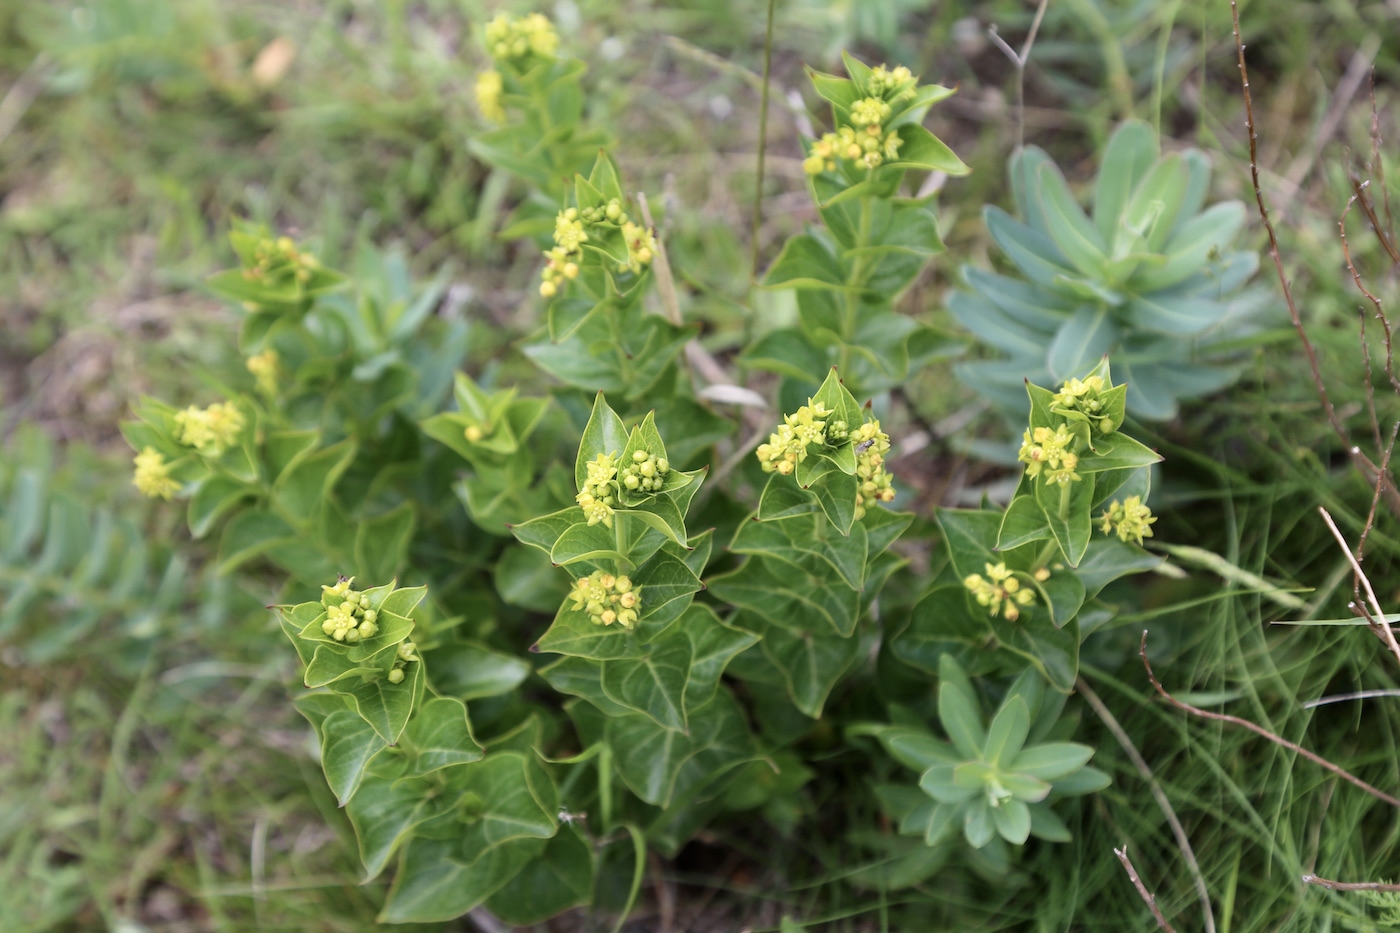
(1148, 279)
(690, 684)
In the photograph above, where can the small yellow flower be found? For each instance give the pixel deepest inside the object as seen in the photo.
(1000, 591)
(209, 430)
(265, 367)
(515, 39)
(607, 599)
(1130, 519)
(489, 86)
(153, 475)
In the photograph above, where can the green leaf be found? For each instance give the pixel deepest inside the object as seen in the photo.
(385, 809)
(920, 149)
(585, 542)
(661, 513)
(1073, 232)
(943, 624)
(544, 531)
(786, 351)
(660, 765)
(604, 434)
(249, 535)
(213, 497)
(1013, 821)
(1117, 452)
(806, 262)
(836, 493)
(1062, 594)
(1024, 521)
(381, 543)
(713, 645)
(1052, 761)
(941, 783)
(668, 584)
(782, 498)
(1067, 508)
(431, 886)
(957, 709)
(978, 827)
(1053, 651)
(812, 663)
(1034, 253)
(300, 489)
(915, 748)
(654, 684)
(470, 670)
(386, 706)
(1130, 152)
(557, 879)
(583, 677)
(1176, 315)
(440, 736)
(771, 591)
(1107, 559)
(348, 745)
(1046, 825)
(1007, 732)
(1084, 339)
(805, 542)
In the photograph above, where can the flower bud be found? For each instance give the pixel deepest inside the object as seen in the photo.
(396, 676)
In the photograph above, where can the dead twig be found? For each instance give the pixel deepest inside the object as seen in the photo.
(1260, 730)
(1350, 885)
(1019, 59)
(1374, 617)
(1182, 840)
(1392, 496)
(1147, 896)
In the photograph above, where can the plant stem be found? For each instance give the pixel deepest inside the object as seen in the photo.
(850, 315)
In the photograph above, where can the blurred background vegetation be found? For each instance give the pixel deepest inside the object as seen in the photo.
(152, 774)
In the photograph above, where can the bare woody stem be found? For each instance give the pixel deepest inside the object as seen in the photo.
(1147, 896)
(1259, 730)
(1392, 497)
(1350, 885)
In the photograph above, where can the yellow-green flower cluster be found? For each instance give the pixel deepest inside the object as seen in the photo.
(265, 367)
(866, 139)
(489, 87)
(1130, 519)
(1000, 591)
(1050, 452)
(571, 232)
(516, 38)
(406, 655)
(876, 483)
(1084, 396)
(646, 473)
(787, 447)
(561, 261)
(279, 259)
(891, 83)
(641, 246)
(348, 615)
(209, 430)
(598, 495)
(607, 599)
(153, 475)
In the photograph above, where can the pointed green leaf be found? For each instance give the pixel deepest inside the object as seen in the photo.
(348, 745)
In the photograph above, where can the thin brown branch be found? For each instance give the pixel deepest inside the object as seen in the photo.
(1392, 496)
(1350, 885)
(1376, 494)
(1374, 617)
(1260, 730)
(1148, 897)
(1385, 234)
(1019, 59)
(1360, 189)
(1164, 804)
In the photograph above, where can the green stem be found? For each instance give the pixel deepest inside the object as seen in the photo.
(762, 144)
(850, 315)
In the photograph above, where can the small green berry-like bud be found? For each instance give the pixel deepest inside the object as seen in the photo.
(631, 481)
(396, 676)
(639, 455)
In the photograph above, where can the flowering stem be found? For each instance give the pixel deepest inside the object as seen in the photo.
(850, 315)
